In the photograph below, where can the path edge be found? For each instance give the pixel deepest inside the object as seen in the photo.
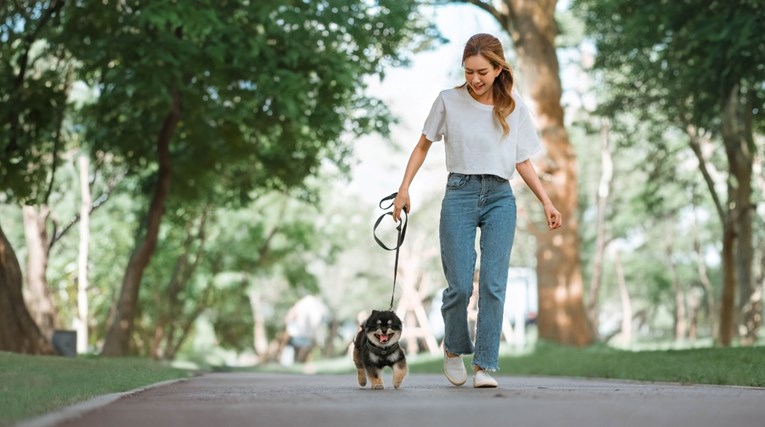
(77, 410)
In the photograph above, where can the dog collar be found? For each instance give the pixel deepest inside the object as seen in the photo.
(383, 350)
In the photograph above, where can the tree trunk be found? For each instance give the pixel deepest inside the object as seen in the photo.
(167, 303)
(756, 301)
(37, 295)
(18, 331)
(735, 215)
(604, 189)
(562, 317)
(259, 336)
(729, 288)
(694, 305)
(740, 149)
(681, 326)
(118, 336)
(170, 305)
(706, 284)
(82, 260)
(626, 327)
(760, 277)
(727, 298)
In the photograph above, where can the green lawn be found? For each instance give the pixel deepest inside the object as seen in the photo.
(725, 366)
(33, 385)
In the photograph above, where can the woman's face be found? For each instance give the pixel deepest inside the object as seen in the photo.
(480, 75)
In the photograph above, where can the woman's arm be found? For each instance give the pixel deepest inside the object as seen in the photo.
(415, 161)
(529, 175)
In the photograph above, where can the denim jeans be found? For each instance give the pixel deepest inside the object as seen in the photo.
(473, 201)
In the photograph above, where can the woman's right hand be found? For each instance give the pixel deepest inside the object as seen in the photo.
(412, 166)
(400, 202)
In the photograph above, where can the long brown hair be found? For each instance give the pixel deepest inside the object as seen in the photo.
(490, 48)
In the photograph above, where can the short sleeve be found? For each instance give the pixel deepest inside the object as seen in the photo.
(435, 124)
(528, 139)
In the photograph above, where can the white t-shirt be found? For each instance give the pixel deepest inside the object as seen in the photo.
(473, 137)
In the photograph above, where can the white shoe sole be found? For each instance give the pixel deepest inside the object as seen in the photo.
(484, 380)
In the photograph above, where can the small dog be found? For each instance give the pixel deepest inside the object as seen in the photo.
(377, 346)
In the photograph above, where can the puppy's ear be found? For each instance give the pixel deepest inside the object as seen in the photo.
(373, 313)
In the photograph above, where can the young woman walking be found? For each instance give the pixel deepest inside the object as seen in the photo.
(488, 135)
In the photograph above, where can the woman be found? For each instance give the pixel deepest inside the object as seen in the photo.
(488, 134)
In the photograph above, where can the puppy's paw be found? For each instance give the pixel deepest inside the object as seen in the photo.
(362, 378)
(399, 373)
(377, 383)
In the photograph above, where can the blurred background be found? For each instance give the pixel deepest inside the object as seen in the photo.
(197, 181)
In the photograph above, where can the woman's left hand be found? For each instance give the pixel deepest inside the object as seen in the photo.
(554, 218)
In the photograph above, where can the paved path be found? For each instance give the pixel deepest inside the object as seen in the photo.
(265, 400)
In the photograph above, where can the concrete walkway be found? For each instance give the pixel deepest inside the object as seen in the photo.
(266, 400)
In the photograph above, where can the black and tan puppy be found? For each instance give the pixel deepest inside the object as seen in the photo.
(377, 346)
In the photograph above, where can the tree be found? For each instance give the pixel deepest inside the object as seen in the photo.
(700, 65)
(227, 97)
(33, 108)
(264, 268)
(82, 259)
(177, 304)
(532, 27)
(19, 333)
(602, 239)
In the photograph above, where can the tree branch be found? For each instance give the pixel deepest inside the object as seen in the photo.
(265, 248)
(695, 143)
(56, 145)
(100, 200)
(488, 7)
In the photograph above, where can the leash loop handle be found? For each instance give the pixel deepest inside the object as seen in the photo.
(401, 228)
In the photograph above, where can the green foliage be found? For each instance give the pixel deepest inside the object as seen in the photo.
(664, 69)
(656, 199)
(680, 57)
(35, 77)
(266, 246)
(268, 90)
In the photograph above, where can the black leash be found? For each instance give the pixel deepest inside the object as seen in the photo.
(401, 227)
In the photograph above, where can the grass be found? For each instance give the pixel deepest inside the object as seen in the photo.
(33, 385)
(740, 366)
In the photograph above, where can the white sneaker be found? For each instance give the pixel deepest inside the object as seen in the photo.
(482, 379)
(455, 370)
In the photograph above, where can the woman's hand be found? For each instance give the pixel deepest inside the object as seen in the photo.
(554, 218)
(529, 175)
(401, 202)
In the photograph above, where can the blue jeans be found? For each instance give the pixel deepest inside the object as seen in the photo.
(473, 201)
